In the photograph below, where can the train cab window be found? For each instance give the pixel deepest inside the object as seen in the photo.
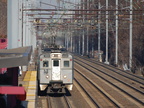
(45, 63)
(55, 63)
(66, 63)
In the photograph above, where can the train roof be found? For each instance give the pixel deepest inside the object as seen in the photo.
(54, 50)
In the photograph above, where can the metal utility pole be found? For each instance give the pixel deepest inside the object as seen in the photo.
(22, 27)
(79, 44)
(106, 59)
(76, 42)
(83, 42)
(65, 39)
(83, 36)
(92, 45)
(87, 40)
(99, 30)
(73, 48)
(71, 42)
(68, 37)
(131, 29)
(27, 26)
(24, 23)
(116, 56)
(67, 42)
(20, 14)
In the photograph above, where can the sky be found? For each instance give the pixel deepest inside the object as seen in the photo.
(58, 3)
(55, 4)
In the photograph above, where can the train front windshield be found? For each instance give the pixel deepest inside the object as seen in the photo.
(45, 63)
(55, 63)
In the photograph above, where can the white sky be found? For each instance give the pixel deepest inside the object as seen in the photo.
(55, 4)
(58, 3)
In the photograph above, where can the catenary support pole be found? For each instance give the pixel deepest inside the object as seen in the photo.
(106, 59)
(79, 44)
(87, 40)
(116, 56)
(99, 30)
(131, 29)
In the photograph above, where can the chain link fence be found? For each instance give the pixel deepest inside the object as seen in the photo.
(3, 18)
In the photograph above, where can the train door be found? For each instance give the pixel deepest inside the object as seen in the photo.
(55, 69)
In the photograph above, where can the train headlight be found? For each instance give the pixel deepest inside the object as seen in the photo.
(65, 76)
(47, 76)
(52, 55)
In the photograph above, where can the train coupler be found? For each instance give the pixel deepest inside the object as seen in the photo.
(50, 90)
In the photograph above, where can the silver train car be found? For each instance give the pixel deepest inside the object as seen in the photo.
(55, 71)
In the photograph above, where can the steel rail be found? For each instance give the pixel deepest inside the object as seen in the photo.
(49, 102)
(112, 100)
(138, 100)
(116, 79)
(95, 103)
(68, 103)
(108, 67)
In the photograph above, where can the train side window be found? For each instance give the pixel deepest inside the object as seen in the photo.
(45, 63)
(55, 63)
(66, 63)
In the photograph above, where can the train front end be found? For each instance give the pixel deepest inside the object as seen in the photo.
(56, 72)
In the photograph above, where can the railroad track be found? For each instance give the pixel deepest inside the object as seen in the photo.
(133, 81)
(123, 73)
(100, 98)
(53, 101)
(118, 83)
(58, 101)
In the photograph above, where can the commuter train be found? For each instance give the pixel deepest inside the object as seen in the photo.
(55, 71)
